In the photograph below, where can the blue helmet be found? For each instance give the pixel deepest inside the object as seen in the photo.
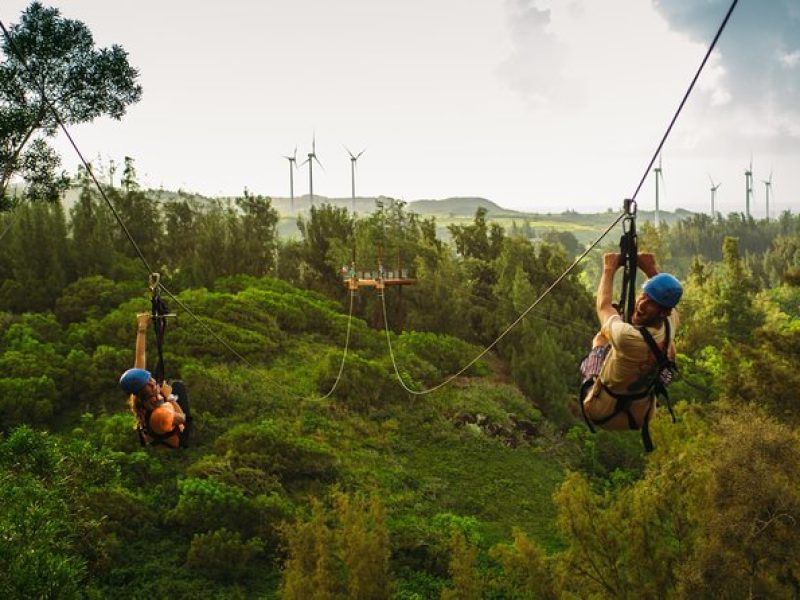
(133, 380)
(664, 290)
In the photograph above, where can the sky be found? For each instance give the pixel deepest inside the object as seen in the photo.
(537, 105)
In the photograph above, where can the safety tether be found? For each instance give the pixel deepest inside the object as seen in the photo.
(629, 251)
(160, 310)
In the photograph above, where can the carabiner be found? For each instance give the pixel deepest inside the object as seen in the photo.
(155, 281)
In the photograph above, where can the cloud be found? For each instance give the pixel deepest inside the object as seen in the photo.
(790, 59)
(759, 53)
(534, 68)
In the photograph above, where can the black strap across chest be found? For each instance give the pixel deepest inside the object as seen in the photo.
(155, 438)
(624, 402)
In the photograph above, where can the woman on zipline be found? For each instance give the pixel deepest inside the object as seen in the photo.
(161, 411)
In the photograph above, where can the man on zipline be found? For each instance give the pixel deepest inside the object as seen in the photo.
(161, 411)
(624, 370)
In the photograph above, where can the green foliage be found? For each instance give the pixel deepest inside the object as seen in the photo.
(26, 400)
(268, 446)
(341, 552)
(448, 354)
(222, 555)
(478, 240)
(466, 582)
(327, 244)
(52, 537)
(448, 494)
(526, 570)
(91, 297)
(37, 266)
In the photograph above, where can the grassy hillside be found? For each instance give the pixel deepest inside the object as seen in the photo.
(476, 455)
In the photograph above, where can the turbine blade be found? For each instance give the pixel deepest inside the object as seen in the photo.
(348, 151)
(360, 153)
(319, 163)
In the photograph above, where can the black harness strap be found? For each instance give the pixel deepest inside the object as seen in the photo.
(628, 247)
(159, 312)
(656, 387)
(663, 362)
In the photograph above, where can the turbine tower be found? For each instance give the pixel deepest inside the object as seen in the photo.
(292, 166)
(658, 175)
(768, 185)
(312, 156)
(714, 188)
(748, 183)
(353, 159)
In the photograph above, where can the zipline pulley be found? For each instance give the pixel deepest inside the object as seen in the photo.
(628, 248)
(160, 313)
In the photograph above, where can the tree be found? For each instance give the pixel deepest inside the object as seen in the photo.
(478, 240)
(256, 244)
(466, 581)
(341, 552)
(327, 244)
(53, 59)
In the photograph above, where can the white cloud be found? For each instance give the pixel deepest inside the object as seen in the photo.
(789, 59)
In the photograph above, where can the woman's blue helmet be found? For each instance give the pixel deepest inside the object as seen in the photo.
(133, 380)
(664, 290)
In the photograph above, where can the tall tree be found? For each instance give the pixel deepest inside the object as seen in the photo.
(52, 59)
(327, 242)
(258, 241)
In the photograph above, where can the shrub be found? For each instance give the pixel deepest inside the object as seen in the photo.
(222, 555)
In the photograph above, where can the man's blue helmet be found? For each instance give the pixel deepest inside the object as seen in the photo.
(133, 380)
(664, 290)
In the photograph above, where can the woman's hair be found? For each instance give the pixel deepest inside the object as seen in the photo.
(136, 405)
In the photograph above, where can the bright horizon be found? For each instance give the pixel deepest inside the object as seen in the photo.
(536, 105)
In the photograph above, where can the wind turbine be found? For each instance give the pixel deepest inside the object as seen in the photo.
(312, 156)
(658, 175)
(714, 188)
(748, 182)
(353, 160)
(768, 185)
(292, 166)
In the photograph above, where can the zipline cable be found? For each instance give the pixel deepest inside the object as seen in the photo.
(110, 205)
(685, 98)
(502, 335)
(63, 128)
(346, 346)
(580, 258)
(141, 256)
(127, 232)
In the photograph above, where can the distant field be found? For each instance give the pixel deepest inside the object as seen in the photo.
(449, 211)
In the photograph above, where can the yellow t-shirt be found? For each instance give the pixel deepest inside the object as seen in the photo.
(628, 368)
